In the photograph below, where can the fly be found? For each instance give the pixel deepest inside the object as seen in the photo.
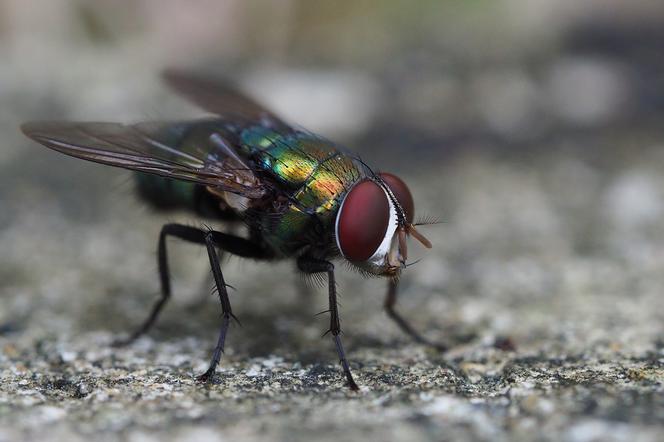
(300, 196)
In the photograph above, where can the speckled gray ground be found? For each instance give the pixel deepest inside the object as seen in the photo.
(546, 278)
(542, 155)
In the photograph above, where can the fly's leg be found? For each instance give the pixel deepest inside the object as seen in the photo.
(227, 312)
(237, 246)
(204, 298)
(213, 241)
(404, 325)
(186, 233)
(311, 265)
(233, 244)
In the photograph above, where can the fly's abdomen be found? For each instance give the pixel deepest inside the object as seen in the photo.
(190, 142)
(164, 193)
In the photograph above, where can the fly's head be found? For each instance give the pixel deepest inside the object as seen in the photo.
(373, 224)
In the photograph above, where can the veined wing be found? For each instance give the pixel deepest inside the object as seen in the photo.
(221, 99)
(194, 151)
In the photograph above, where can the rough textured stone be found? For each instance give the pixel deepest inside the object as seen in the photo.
(545, 278)
(549, 296)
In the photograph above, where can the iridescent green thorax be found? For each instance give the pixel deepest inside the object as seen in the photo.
(315, 173)
(292, 159)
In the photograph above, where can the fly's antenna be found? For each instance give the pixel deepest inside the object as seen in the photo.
(418, 236)
(425, 220)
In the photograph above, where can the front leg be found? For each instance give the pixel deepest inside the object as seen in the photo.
(312, 265)
(404, 325)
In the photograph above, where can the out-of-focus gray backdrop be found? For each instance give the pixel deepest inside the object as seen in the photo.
(532, 128)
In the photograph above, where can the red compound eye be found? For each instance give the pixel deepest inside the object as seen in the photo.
(402, 193)
(363, 221)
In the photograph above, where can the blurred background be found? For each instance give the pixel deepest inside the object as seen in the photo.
(531, 128)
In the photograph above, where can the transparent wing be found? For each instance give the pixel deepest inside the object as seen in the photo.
(194, 151)
(220, 98)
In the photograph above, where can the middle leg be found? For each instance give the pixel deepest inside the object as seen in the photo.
(311, 265)
(404, 325)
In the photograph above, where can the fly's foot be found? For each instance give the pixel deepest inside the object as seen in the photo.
(442, 348)
(206, 377)
(352, 385)
(437, 346)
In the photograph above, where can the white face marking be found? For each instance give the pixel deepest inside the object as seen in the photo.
(378, 260)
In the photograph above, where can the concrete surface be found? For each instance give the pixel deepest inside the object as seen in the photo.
(545, 279)
(532, 129)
